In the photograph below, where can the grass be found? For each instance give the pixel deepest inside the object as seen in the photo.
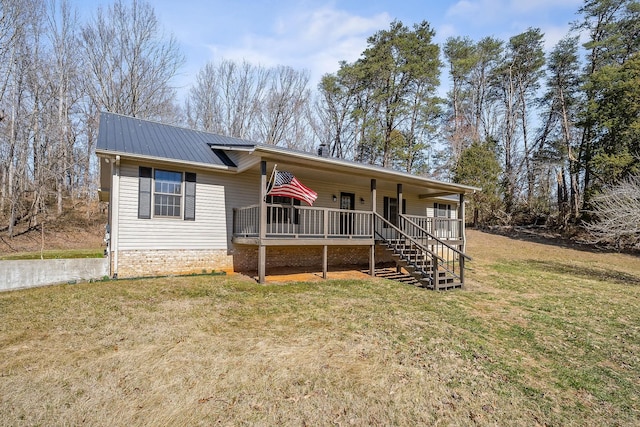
(56, 254)
(540, 336)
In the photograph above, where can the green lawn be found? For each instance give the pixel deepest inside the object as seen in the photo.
(56, 254)
(541, 335)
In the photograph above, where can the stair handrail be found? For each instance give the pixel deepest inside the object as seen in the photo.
(437, 239)
(405, 235)
(438, 262)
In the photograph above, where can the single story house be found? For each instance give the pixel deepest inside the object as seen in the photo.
(183, 201)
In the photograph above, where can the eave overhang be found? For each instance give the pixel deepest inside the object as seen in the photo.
(329, 164)
(164, 161)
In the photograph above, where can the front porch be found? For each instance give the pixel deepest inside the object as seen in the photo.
(430, 249)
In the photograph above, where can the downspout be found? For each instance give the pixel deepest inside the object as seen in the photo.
(115, 217)
(400, 204)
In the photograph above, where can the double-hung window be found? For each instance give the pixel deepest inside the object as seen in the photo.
(443, 212)
(166, 194)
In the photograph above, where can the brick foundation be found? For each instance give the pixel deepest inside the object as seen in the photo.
(139, 263)
(245, 258)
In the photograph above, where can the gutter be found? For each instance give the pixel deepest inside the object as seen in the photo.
(153, 159)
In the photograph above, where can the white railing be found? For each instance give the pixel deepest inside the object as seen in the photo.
(442, 228)
(302, 221)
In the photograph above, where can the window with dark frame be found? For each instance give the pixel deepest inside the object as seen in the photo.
(442, 210)
(164, 191)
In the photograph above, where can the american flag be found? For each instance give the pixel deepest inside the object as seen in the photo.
(287, 185)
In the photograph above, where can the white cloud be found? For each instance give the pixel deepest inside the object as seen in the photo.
(553, 34)
(315, 40)
(445, 31)
(506, 18)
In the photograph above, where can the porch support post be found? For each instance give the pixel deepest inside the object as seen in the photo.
(461, 217)
(398, 268)
(262, 249)
(324, 261)
(372, 250)
(399, 204)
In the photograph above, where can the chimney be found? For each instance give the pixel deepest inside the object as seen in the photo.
(323, 150)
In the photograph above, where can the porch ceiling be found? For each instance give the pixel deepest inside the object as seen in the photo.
(305, 165)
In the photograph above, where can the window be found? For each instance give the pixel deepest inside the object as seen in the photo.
(282, 214)
(169, 194)
(441, 210)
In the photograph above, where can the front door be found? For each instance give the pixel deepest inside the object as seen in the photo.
(347, 202)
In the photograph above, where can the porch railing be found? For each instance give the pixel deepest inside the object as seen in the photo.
(442, 228)
(451, 258)
(302, 221)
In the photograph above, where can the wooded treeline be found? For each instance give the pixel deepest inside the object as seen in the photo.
(541, 132)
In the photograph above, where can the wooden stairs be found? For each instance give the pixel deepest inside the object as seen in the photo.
(420, 265)
(431, 262)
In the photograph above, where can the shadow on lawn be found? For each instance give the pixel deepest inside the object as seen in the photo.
(611, 276)
(553, 238)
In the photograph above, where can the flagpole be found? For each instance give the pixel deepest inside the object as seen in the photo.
(273, 172)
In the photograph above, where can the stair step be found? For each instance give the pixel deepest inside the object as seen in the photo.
(448, 286)
(418, 264)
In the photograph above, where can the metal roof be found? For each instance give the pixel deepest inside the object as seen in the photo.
(130, 135)
(126, 135)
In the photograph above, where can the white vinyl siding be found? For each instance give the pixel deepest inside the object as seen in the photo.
(212, 225)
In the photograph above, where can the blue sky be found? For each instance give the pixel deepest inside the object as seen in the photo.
(316, 34)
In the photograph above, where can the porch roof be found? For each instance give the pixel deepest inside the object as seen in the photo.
(329, 164)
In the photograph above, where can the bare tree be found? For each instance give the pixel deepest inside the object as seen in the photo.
(617, 210)
(130, 63)
(62, 22)
(21, 99)
(226, 98)
(282, 113)
(337, 99)
(253, 102)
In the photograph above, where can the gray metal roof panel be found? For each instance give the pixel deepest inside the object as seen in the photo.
(131, 135)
